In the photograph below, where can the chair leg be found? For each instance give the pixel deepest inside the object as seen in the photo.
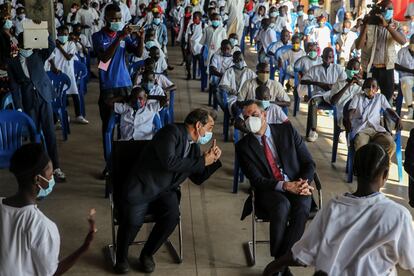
(226, 123)
(297, 102)
(398, 155)
(236, 175)
(180, 241)
(350, 162)
(252, 244)
(336, 134)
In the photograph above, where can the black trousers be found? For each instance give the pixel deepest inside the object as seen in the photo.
(42, 115)
(105, 110)
(76, 104)
(411, 191)
(385, 79)
(312, 121)
(165, 209)
(282, 208)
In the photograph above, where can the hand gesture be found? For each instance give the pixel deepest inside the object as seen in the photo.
(92, 229)
(383, 22)
(299, 187)
(125, 32)
(141, 32)
(216, 150)
(209, 157)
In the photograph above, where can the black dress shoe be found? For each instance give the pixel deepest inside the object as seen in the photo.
(170, 68)
(147, 263)
(121, 267)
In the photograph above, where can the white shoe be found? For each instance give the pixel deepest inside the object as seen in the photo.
(342, 138)
(409, 114)
(312, 137)
(59, 175)
(81, 120)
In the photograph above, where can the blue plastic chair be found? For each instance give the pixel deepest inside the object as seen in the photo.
(164, 116)
(278, 55)
(238, 176)
(61, 84)
(7, 102)
(81, 73)
(13, 127)
(171, 106)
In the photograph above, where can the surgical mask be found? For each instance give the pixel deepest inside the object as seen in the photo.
(296, 46)
(73, 10)
(45, 192)
(63, 38)
(351, 73)
(253, 124)
(116, 26)
(265, 104)
(274, 14)
(346, 30)
(263, 77)
(388, 14)
(149, 44)
(148, 86)
(233, 42)
(7, 24)
(205, 139)
(22, 16)
(215, 23)
(239, 65)
(25, 52)
(411, 47)
(311, 17)
(312, 54)
(300, 13)
(156, 21)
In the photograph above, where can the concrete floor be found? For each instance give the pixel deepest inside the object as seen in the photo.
(213, 233)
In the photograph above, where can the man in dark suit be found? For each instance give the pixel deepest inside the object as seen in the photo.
(153, 184)
(33, 93)
(276, 161)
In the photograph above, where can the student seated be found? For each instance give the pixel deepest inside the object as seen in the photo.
(284, 40)
(288, 59)
(233, 79)
(159, 28)
(364, 118)
(161, 65)
(305, 63)
(360, 233)
(149, 85)
(234, 41)
(30, 241)
(137, 115)
(279, 167)
(265, 38)
(322, 77)
(160, 79)
(278, 94)
(62, 60)
(345, 43)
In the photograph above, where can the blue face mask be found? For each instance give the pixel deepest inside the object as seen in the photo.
(311, 16)
(148, 86)
(116, 26)
(157, 21)
(215, 23)
(205, 139)
(265, 104)
(233, 42)
(45, 192)
(346, 30)
(274, 14)
(388, 14)
(25, 52)
(300, 13)
(149, 44)
(7, 24)
(63, 38)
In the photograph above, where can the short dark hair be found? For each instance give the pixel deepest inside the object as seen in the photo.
(62, 28)
(370, 160)
(368, 82)
(200, 115)
(225, 42)
(250, 102)
(260, 91)
(112, 8)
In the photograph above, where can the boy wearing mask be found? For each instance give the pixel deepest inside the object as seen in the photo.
(345, 43)
(213, 35)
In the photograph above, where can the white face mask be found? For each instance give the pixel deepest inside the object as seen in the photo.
(253, 124)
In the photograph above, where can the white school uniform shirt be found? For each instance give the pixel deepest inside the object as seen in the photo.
(212, 40)
(66, 66)
(220, 62)
(30, 242)
(248, 91)
(368, 112)
(18, 24)
(267, 37)
(193, 35)
(126, 14)
(322, 36)
(87, 17)
(84, 40)
(347, 41)
(348, 95)
(330, 75)
(246, 19)
(281, 23)
(160, 65)
(275, 114)
(407, 60)
(137, 124)
(160, 80)
(358, 236)
(291, 57)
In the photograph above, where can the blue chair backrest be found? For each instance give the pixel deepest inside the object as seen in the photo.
(61, 83)
(157, 123)
(80, 71)
(13, 126)
(7, 102)
(281, 50)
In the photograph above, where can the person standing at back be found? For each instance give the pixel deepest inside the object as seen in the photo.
(111, 44)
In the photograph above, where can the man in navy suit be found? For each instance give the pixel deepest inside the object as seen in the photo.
(33, 93)
(280, 168)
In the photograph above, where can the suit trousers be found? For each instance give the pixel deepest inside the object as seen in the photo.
(288, 214)
(105, 110)
(42, 115)
(165, 209)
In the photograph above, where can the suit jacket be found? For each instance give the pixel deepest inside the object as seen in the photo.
(23, 86)
(409, 155)
(294, 158)
(162, 167)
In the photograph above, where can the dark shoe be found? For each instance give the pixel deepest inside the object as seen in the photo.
(121, 268)
(188, 76)
(170, 68)
(147, 263)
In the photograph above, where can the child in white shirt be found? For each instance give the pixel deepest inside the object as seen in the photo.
(405, 66)
(213, 35)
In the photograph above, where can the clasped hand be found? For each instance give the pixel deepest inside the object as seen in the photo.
(299, 187)
(213, 154)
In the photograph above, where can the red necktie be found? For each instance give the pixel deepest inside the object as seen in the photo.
(271, 161)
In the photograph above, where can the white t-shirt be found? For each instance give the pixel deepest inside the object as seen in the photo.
(368, 112)
(275, 114)
(407, 60)
(358, 236)
(29, 242)
(220, 62)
